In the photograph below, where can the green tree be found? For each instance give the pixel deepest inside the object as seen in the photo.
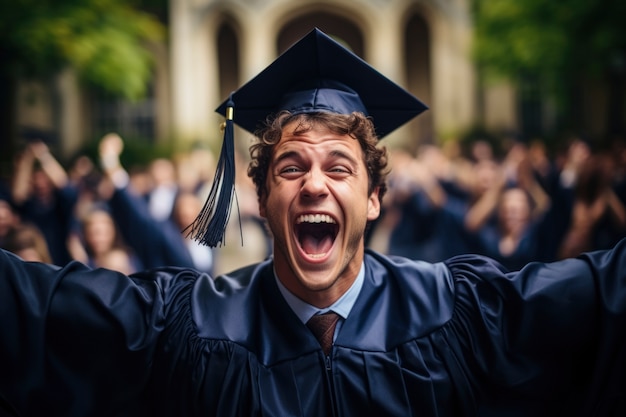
(105, 41)
(558, 44)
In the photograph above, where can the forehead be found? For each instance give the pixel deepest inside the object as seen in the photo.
(315, 138)
(98, 217)
(515, 196)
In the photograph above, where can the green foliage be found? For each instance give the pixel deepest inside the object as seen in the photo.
(104, 40)
(549, 39)
(555, 48)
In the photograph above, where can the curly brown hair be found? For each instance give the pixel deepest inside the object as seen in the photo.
(356, 125)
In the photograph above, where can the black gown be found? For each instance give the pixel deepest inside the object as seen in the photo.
(459, 338)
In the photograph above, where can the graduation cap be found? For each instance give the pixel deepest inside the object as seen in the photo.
(316, 74)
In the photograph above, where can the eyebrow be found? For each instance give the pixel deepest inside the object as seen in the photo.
(344, 155)
(286, 155)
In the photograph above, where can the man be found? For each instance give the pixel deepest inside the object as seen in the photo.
(44, 195)
(411, 338)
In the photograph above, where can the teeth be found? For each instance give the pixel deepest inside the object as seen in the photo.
(315, 218)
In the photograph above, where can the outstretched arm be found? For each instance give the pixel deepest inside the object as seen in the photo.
(74, 341)
(552, 334)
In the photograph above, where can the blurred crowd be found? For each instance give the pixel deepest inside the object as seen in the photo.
(126, 219)
(516, 206)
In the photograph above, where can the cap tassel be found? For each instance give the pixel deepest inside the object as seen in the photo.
(209, 227)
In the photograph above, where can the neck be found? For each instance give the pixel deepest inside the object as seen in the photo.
(318, 295)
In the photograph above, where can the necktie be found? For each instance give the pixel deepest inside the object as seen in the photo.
(323, 327)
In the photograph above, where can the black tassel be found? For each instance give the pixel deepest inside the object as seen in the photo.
(209, 227)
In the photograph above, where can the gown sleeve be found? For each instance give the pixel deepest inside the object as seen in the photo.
(74, 341)
(157, 244)
(550, 336)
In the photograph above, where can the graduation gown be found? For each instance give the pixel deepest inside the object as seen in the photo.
(458, 338)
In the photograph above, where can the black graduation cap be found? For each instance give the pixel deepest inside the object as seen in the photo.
(316, 74)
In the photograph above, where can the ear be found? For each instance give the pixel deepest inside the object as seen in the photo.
(373, 206)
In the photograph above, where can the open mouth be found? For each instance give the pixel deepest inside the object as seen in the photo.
(316, 233)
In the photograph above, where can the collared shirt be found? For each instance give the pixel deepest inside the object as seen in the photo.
(342, 306)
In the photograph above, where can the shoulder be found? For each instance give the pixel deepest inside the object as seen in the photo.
(171, 279)
(418, 296)
(207, 300)
(408, 272)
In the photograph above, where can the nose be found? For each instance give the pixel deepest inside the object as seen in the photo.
(314, 184)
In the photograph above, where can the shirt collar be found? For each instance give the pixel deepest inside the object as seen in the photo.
(342, 306)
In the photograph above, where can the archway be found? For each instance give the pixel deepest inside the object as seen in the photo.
(417, 53)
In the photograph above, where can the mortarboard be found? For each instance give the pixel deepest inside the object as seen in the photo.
(315, 74)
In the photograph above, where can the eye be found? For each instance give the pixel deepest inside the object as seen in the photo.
(288, 170)
(339, 169)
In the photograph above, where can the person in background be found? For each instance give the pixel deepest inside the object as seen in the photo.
(156, 243)
(100, 235)
(9, 217)
(597, 212)
(429, 226)
(45, 197)
(508, 217)
(26, 241)
(324, 327)
(118, 259)
(162, 195)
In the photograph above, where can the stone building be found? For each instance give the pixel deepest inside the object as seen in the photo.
(214, 46)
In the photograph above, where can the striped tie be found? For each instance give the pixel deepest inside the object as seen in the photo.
(323, 327)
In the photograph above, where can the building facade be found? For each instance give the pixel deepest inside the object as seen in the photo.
(424, 45)
(214, 46)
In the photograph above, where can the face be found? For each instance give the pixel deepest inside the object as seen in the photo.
(317, 206)
(486, 173)
(186, 209)
(99, 232)
(41, 183)
(30, 255)
(514, 211)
